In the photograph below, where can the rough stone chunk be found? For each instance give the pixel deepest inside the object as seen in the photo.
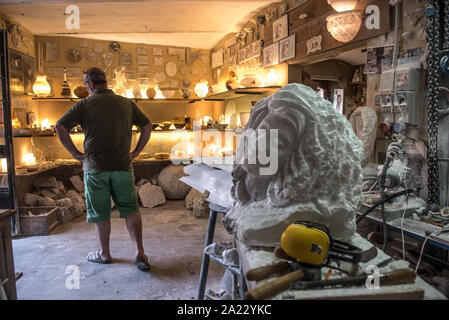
(64, 202)
(76, 200)
(77, 183)
(190, 198)
(33, 200)
(65, 214)
(77, 209)
(48, 202)
(196, 201)
(60, 186)
(168, 180)
(49, 194)
(45, 182)
(151, 196)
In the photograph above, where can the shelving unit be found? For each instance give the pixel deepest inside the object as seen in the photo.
(227, 95)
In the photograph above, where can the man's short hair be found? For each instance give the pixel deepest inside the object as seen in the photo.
(95, 75)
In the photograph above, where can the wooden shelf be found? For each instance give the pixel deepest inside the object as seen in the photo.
(237, 93)
(227, 95)
(56, 99)
(133, 99)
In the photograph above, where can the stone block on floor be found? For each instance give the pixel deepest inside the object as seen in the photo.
(151, 196)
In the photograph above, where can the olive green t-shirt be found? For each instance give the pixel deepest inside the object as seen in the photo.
(106, 120)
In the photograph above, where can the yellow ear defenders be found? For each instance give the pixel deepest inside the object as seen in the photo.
(310, 243)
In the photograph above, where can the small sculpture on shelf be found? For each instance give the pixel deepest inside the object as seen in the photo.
(65, 86)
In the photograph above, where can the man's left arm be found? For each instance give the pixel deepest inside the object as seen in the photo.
(64, 137)
(143, 139)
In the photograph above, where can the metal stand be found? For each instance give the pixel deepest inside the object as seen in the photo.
(238, 278)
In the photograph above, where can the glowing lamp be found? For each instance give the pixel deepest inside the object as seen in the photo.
(342, 5)
(201, 89)
(29, 159)
(4, 165)
(129, 93)
(159, 94)
(15, 123)
(272, 78)
(45, 124)
(344, 26)
(41, 87)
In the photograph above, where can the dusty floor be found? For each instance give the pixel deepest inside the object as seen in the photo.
(173, 239)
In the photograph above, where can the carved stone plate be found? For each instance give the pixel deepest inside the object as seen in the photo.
(91, 56)
(171, 69)
(107, 58)
(183, 69)
(159, 76)
(114, 46)
(74, 55)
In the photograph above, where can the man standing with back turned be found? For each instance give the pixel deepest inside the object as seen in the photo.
(107, 120)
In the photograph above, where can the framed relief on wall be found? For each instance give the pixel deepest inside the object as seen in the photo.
(280, 28)
(271, 55)
(287, 48)
(22, 72)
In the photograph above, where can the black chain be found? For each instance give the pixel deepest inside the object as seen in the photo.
(433, 34)
(446, 25)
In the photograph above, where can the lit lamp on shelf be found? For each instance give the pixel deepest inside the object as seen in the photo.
(344, 25)
(201, 89)
(342, 5)
(158, 94)
(41, 87)
(4, 163)
(272, 78)
(15, 123)
(29, 159)
(45, 124)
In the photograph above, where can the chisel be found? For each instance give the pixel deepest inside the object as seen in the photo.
(401, 276)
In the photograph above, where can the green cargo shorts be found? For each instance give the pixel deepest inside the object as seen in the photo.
(100, 186)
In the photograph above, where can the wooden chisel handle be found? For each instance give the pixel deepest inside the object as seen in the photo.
(401, 276)
(273, 287)
(280, 253)
(257, 274)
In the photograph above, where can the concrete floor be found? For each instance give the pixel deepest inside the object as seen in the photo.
(173, 239)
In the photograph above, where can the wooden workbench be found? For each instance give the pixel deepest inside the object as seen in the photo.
(253, 257)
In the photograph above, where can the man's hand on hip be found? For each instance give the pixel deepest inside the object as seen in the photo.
(133, 155)
(79, 156)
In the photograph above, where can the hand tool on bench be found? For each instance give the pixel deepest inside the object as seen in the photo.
(281, 283)
(395, 277)
(308, 245)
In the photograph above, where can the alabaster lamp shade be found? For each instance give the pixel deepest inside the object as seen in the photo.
(344, 26)
(342, 5)
(41, 87)
(201, 89)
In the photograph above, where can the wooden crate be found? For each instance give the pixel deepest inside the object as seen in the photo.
(43, 221)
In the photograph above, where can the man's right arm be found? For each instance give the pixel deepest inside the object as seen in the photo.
(71, 119)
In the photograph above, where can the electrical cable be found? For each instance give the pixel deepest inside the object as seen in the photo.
(434, 233)
(422, 250)
(388, 198)
(382, 199)
(402, 223)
